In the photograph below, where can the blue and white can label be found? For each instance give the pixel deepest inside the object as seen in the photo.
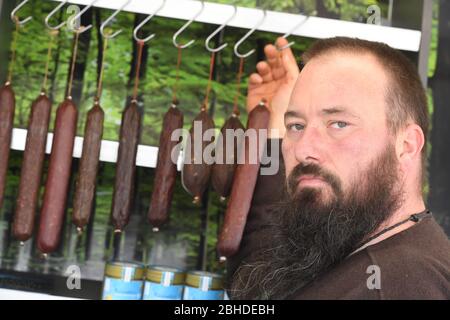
(118, 289)
(191, 293)
(157, 291)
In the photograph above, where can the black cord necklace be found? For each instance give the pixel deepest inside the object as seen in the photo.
(417, 217)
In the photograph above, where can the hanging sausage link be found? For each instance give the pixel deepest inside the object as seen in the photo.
(227, 151)
(126, 166)
(243, 186)
(87, 176)
(196, 171)
(7, 107)
(33, 158)
(166, 169)
(126, 159)
(31, 172)
(93, 133)
(60, 167)
(226, 156)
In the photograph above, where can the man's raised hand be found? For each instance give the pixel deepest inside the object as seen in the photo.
(274, 81)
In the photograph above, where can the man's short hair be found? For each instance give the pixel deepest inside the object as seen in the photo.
(405, 96)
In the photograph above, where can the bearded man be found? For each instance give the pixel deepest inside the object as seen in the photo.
(350, 221)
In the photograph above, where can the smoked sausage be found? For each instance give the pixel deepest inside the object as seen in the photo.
(7, 108)
(196, 172)
(58, 178)
(166, 169)
(244, 183)
(126, 166)
(226, 157)
(87, 176)
(31, 172)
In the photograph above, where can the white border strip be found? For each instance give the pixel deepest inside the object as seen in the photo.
(146, 155)
(8, 294)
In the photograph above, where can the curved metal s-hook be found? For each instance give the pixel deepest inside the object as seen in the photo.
(108, 21)
(184, 27)
(290, 44)
(14, 16)
(135, 32)
(247, 35)
(83, 29)
(217, 31)
(51, 14)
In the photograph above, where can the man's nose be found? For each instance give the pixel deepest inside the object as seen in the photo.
(309, 145)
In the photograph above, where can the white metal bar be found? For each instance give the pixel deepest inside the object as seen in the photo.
(146, 155)
(277, 22)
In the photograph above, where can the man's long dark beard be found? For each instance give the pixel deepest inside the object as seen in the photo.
(312, 235)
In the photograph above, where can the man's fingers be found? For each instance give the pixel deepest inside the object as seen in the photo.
(274, 59)
(272, 55)
(288, 60)
(289, 63)
(255, 80)
(271, 52)
(281, 42)
(280, 62)
(264, 71)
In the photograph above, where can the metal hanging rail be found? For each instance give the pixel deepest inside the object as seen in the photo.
(146, 155)
(276, 22)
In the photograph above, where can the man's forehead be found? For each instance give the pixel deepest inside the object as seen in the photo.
(352, 84)
(343, 69)
(342, 57)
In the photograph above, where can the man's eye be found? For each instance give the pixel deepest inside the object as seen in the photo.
(295, 127)
(339, 124)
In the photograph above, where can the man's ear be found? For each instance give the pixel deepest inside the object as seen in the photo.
(410, 142)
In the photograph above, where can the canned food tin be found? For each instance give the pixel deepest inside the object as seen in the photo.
(123, 281)
(203, 286)
(164, 283)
